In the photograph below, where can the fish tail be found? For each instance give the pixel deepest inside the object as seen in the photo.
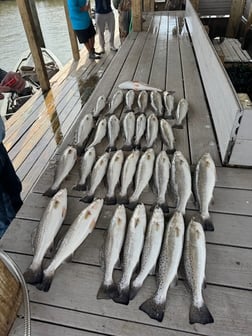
(131, 205)
(133, 291)
(122, 296)
(80, 186)
(122, 199)
(164, 207)
(168, 116)
(50, 192)
(107, 292)
(110, 200)
(200, 315)
(207, 224)
(178, 126)
(79, 150)
(87, 199)
(127, 148)
(46, 283)
(153, 309)
(111, 149)
(171, 151)
(33, 276)
(137, 146)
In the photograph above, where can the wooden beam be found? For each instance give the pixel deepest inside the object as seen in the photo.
(34, 12)
(136, 7)
(236, 12)
(249, 21)
(26, 8)
(73, 39)
(195, 4)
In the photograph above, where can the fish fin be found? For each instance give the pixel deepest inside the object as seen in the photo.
(164, 207)
(80, 150)
(153, 309)
(80, 187)
(131, 205)
(110, 200)
(127, 148)
(33, 276)
(46, 283)
(50, 192)
(87, 199)
(122, 296)
(137, 146)
(170, 151)
(178, 126)
(208, 224)
(122, 199)
(133, 292)
(200, 315)
(111, 149)
(107, 292)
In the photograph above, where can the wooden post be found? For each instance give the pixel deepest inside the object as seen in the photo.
(73, 39)
(136, 7)
(249, 22)
(34, 12)
(30, 29)
(195, 4)
(236, 12)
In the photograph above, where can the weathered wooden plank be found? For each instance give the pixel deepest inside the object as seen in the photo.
(237, 156)
(231, 308)
(220, 93)
(226, 266)
(104, 325)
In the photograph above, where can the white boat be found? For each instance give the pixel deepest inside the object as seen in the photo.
(13, 101)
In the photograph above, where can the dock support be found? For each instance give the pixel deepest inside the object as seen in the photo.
(236, 12)
(31, 24)
(73, 39)
(136, 7)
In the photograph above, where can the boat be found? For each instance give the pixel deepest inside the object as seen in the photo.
(25, 66)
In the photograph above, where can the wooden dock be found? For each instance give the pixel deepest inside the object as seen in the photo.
(163, 57)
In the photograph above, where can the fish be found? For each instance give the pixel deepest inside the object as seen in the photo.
(87, 163)
(85, 127)
(151, 130)
(113, 246)
(181, 180)
(100, 105)
(137, 86)
(161, 178)
(97, 175)
(140, 129)
(171, 252)
(167, 136)
(116, 101)
(128, 172)
(113, 132)
(169, 104)
(131, 253)
(46, 231)
(129, 98)
(156, 103)
(151, 250)
(129, 122)
(205, 178)
(142, 101)
(100, 133)
(143, 175)
(78, 231)
(194, 265)
(64, 166)
(180, 113)
(113, 176)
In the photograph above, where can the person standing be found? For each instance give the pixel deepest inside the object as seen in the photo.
(10, 185)
(124, 17)
(104, 15)
(83, 25)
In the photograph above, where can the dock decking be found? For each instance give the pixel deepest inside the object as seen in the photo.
(164, 59)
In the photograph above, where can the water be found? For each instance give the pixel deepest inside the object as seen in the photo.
(13, 38)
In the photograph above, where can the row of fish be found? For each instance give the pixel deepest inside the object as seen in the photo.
(140, 169)
(50, 224)
(135, 129)
(146, 242)
(163, 104)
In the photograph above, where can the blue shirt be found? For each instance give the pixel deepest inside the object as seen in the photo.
(79, 19)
